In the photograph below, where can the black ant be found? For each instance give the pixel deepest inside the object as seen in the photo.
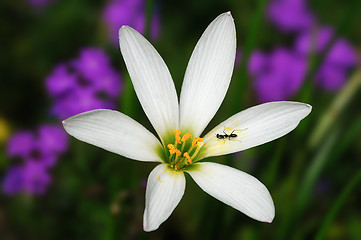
(225, 135)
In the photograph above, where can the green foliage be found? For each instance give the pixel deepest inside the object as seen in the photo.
(100, 195)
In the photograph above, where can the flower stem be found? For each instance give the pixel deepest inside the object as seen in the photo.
(335, 109)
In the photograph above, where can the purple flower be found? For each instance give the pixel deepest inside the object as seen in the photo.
(39, 152)
(86, 83)
(128, 12)
(81, 101)
(13, 181)
(60, 81)
(277, 75)
(31, 178)
(92, 62)
(52, 139)
(36, 178)
(333, 71)
(290, 15)
(20, 144)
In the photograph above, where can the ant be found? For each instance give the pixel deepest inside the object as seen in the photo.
(228, 136)
(225, 135)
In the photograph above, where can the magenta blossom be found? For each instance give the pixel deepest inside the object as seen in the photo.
(38, 152)
(290, 15)
(339, 60)
(277, 75)
(131, 13)
(85, 83)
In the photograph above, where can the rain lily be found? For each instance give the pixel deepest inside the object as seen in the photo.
(180, 149)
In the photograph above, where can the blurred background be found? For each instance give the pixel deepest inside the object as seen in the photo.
(61, 57)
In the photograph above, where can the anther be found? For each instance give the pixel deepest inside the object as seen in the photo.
(189, 160)
(196, 140)
(186, 137)
(177, 135)
(172, 149)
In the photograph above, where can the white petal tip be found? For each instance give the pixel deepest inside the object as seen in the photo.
(149, 229)
(270, 220)
(227, 14)
(309, 108)
(123, 28)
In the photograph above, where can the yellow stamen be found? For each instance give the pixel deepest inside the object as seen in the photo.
(177, 135)
(186, 137)
(196, 140)
(189, 160)
(172, 149)
(178, 152)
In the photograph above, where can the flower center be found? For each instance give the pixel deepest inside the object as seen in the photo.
(184, 150)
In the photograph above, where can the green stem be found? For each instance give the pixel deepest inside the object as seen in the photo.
(335, 109)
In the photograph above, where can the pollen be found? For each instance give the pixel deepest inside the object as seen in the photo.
(159, 179)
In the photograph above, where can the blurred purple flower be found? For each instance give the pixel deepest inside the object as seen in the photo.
(36, 178)
(86, 83)
(91, 63)
(13, 181)
(39, 152)
(81, 101)
(290, 15)
(128, 12)
(277, 75)
(52, 139)
(341, 57)
(20, 144)
(31, 178)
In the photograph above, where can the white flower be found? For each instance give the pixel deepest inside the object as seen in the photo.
(205, 84)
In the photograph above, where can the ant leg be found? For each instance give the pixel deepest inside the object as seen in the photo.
(224, 131)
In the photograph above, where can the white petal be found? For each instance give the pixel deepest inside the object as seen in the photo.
(165, 189)
(152, 81)
(255, 126)
(115, 132)
(208, 74)
(236, 189)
